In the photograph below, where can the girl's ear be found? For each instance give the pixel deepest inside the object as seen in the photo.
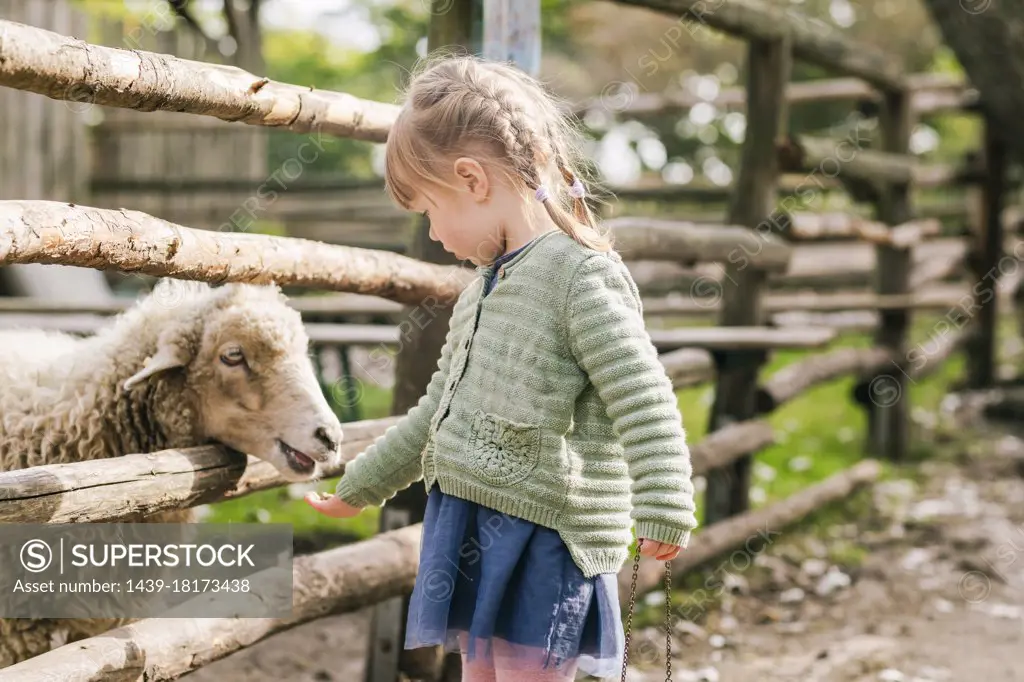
(471, 178)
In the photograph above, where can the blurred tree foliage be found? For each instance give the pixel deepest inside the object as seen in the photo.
(596, 49)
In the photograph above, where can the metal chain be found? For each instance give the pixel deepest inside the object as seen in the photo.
(668, 614)
(629, 614)
(668, 621)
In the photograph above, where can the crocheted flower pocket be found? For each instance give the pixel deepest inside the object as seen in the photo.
(504, 452)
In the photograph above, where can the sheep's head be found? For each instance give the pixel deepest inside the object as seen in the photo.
(245, 356)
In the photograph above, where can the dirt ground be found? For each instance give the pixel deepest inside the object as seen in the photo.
(928, 586)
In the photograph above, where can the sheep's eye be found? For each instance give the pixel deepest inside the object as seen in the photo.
(233, 357)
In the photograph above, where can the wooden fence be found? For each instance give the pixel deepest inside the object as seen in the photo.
(747, 246)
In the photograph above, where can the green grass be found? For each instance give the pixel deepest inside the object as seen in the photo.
(821, 432)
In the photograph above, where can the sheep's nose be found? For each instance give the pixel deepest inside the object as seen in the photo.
(330, 436)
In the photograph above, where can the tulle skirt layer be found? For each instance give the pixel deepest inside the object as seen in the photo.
(506, 591)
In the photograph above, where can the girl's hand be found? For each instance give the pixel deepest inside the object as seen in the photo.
(331, 505)
(659, 550)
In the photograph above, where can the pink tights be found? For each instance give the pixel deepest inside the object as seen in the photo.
(478, 671)
(494, 671)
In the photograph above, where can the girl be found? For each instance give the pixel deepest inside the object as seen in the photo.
(549, 429)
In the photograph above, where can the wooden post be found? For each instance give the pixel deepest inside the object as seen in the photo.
(986, 253)
(888, 411)
(768, 71)
(511, 31)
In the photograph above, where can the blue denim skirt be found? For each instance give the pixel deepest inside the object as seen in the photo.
(505, 591)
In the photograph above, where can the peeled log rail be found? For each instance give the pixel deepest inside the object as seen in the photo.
(932, 93)
(846, 159)
(752, 532)
(688, 367)
(662, 277)
(932, 354)
(740, 338)
(130, 486)
(705, 192)
(818, 226)
(63, 68)
(813, 40)
(725, 445)
(335, 581)
(689, 243)
(941, 297)
(795, 378)
(129, 241)
(112, 489)
(919, 362)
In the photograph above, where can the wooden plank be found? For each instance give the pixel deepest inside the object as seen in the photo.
(813, 40)
(320, 333)
(768, 66)
(49, 64)
(326, 305)
(932, 93)
(736, 338)
(938, 297)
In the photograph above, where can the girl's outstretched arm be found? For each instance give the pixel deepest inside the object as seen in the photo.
(608, 338)
(393, 461)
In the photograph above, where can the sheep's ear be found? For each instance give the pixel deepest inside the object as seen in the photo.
(168, 357)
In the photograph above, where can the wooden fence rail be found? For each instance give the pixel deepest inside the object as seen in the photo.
(931, 94)
(813, 41)
(123, 487)
(64, 68)
(53, 232)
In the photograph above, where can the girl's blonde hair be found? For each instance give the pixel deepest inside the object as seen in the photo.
(460, 106)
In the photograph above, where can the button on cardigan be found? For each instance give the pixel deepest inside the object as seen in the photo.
(549, 404)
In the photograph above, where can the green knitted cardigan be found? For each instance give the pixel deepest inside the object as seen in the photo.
(548, 404)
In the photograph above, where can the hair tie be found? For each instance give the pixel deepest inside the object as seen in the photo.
(577, 190)
(542, 194)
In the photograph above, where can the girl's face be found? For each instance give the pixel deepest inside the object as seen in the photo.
(467, 217)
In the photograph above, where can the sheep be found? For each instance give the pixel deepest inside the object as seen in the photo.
(187, 365)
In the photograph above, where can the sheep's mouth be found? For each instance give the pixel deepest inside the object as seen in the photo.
(299, 462)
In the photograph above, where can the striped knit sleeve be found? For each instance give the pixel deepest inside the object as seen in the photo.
(393, 461)
(610, 343)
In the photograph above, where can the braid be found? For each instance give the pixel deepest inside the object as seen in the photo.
(515, 133)
(465, 105)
